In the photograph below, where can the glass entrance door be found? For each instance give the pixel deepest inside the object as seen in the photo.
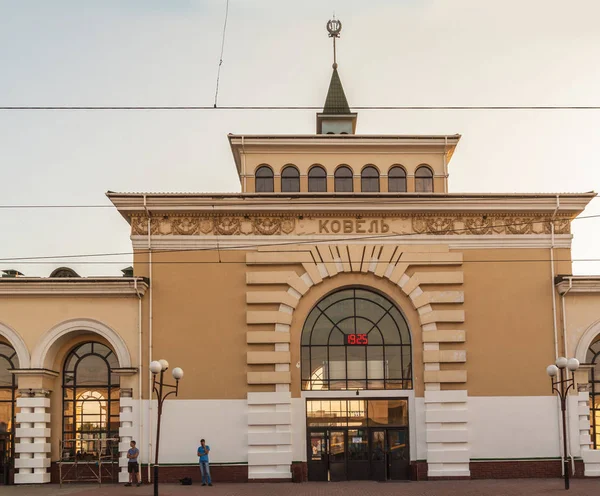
(337, 456)
(318, 462)
(378, 455)
(358, 454)
(398, 455)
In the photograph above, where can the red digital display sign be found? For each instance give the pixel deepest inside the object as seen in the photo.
(357, 339)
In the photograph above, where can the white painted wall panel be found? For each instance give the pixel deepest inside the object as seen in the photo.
(513, 426)
(223, 423)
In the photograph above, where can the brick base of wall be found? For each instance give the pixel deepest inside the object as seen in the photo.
(521, 469)
(494, 469)
(418, 471)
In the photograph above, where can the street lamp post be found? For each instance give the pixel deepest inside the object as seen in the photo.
(561, 385)
(160, 367)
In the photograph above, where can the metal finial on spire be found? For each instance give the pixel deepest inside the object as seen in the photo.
(334, 27)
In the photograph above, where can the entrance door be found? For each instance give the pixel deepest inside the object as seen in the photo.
(337, 456)
(398, 454)
(318, 463)
(378, 455)
(358, 454)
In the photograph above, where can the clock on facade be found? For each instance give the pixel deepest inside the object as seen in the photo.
(357, 339)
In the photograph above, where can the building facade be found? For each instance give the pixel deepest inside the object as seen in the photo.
(344, 317)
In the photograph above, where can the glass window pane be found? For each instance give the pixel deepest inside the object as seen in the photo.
(317, 180)
(337, 363)
(358, 445)
(357, 362)
(393, 357)
(321, 331)
(388, 412)
(91, 370)
(326, 413)
(343, 180)
(397, 180)
(6, 378)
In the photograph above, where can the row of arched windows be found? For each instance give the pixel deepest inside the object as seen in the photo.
(343, 180)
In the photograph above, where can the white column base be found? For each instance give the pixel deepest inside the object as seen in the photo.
(269, 435)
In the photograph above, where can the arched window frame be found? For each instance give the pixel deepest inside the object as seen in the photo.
(264, 179)
(593, 358)
(343, 179)
(10, 360)
(397, 179)
(290, 179)
(317, 179)
(369, 179)
(315, 377)
(75, 395)
(424, 179)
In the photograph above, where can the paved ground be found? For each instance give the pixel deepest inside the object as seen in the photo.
(514, 487)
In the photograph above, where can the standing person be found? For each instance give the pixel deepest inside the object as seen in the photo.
(203, 451)
(132, 465)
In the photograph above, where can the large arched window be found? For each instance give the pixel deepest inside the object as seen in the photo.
(423, 180)
(397, 180)
(8, 387)
(290, 179)
(356, 339)
(317, 179)
(343, 180)
(90, 401)
(369, 180)
(264, 179)
(593, 358)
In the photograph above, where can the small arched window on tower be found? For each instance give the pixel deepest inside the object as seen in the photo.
(423, 180)
(343, 180)
(369, 180)
(397, 180)
(264, 179)
(317, 180)
(290, 179)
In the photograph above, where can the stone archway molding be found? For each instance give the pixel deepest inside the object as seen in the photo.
(18, 344)
(42, 349)
(585, 341)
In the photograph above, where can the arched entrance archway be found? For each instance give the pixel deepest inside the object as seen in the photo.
(356, 339)
(8, 386)
(91, 411)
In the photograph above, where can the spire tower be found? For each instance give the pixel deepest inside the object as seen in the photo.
(336, 117)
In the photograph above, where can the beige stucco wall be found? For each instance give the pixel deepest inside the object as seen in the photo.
(583, 321)
(200, 303)
(508, 307)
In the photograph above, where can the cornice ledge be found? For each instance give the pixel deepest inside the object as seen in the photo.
(51, 287)
(589, 285)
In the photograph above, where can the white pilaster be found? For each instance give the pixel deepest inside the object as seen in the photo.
(127, 433)
(32, 437)
(447, 435)
(269, 435)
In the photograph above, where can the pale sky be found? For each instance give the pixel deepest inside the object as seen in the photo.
(166, 52)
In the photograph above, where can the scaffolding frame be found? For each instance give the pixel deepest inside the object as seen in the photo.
(75, 468)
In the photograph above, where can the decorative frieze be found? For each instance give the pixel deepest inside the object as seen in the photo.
(273, 225)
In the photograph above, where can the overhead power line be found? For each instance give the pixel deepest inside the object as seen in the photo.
(222, 50)
(299, 107)
(61, 258)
